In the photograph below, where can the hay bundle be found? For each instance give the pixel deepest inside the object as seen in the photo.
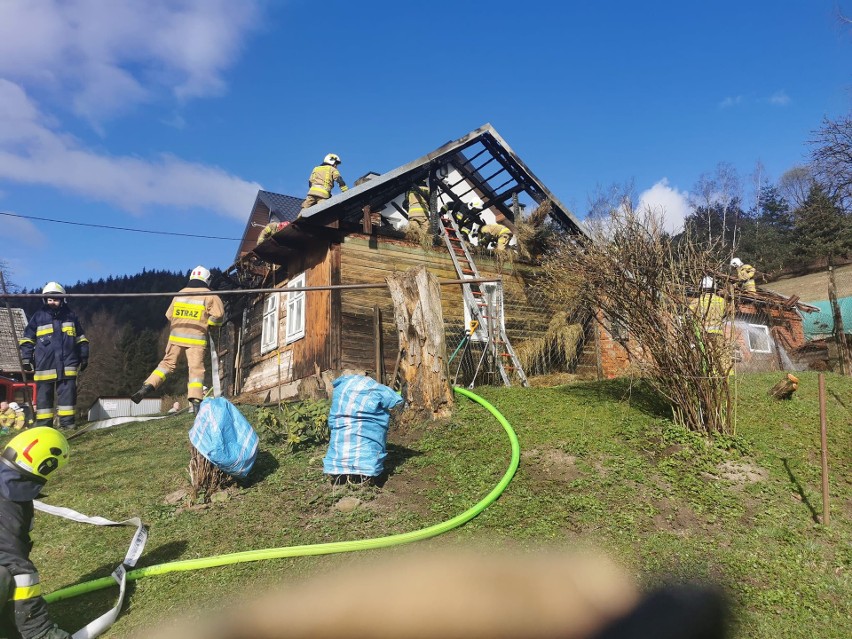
(205, 477)
(557, 348)
(533, 233)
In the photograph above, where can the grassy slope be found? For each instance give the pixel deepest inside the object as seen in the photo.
(596, 465)
(814, 286)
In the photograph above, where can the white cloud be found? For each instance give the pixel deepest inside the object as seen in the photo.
(33, 153)
(779, 98)
(668, 202)
(103, 58)
(731, 101)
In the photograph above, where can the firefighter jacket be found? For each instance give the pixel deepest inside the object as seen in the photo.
(191, 315)
(11, 418)
(271, 229)
(55, 343)
(16, 520)
(745, 274)
(418, 202)
(322, 180)
(709, 309)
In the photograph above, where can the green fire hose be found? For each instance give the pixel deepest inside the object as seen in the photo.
(324, 548)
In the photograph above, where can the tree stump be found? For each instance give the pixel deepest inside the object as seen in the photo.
(424, 370)
(785, 388)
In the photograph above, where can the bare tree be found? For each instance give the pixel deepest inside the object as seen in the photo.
(635, 275)
(831, 159)
(728, 189)
(795, 186)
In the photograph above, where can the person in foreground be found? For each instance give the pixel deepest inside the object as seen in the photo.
(25, 465)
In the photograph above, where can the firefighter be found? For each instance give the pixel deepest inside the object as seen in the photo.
(11, 416)
(269, 230)
(418, 207)
(189, 317)
(491, 233)
(466, 215)
(28, 460)
(745, 275)
(55, 350)
(708, 313)
(322, 181)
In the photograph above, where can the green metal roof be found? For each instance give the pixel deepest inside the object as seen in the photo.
(821, 325)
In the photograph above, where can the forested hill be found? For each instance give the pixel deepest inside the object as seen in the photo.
(138, 313)
(126, 334)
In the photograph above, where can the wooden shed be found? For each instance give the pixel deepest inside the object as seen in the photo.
(282, 345)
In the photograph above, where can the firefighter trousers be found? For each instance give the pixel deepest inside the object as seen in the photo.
(194, 359)
(64, 391)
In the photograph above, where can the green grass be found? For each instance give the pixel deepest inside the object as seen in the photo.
(599, 463)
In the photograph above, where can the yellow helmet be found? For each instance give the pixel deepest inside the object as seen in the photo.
(37, 452)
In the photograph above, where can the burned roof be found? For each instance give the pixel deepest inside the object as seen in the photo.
(483, 158)
(482, 161)
(266, 206)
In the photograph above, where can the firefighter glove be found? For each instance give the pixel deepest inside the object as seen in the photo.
(28, 366)
(83, 365)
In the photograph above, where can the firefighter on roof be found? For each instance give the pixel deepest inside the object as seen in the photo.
(322, 180)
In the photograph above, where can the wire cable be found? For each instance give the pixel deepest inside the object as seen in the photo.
(119, 228)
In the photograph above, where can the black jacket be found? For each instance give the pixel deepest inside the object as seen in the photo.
(16, 521)
(56, 339)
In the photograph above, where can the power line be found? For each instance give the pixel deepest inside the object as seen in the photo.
(118, 228)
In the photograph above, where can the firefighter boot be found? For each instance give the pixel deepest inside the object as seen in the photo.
(141, 393)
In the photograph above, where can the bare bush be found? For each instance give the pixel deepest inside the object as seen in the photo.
(638, 277)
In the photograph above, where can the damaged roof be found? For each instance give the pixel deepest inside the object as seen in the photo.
(482, 157)
(266, 205)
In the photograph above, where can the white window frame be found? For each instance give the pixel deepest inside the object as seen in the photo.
(296, 311)
(757, 327)
(269, 324)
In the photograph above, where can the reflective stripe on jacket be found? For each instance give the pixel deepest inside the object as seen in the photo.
(54, 343)
(418, 202)
(322, 180)
(190, 315)
(16, 519)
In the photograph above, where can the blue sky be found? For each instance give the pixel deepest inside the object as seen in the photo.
(169, 115)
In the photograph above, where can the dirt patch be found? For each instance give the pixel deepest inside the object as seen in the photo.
(550, 464)
(741, 473)
(676, 517)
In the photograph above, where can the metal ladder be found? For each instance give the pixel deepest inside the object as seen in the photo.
(480, 303)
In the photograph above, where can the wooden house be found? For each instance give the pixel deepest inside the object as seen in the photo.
(293, 343)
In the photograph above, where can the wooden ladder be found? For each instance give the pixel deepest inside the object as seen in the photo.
(483, 307)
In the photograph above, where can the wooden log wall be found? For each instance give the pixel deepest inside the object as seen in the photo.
(296, 360)
(369, 259)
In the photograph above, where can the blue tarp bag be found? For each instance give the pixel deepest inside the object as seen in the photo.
(358, 423)
(224, 437)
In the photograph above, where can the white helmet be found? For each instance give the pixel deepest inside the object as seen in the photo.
(14, 406)
(737, 262)
(475, 205)
(52, 289)
(331, 158)
(708, 284)
(200, 273)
